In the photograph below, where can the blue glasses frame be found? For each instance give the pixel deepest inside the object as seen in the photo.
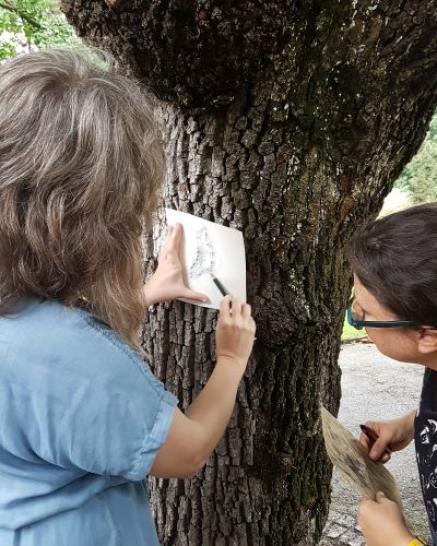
(360, 324)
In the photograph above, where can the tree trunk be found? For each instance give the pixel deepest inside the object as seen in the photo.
(290, 122)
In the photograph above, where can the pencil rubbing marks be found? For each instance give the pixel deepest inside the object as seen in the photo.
(353, 463)
(205, 258)
(357, 469)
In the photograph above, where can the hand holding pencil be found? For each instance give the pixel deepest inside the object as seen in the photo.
(381, 438)
(235, 332)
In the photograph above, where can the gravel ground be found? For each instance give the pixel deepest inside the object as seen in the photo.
(375, 387)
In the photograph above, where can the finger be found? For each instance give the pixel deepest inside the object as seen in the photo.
(378, 448)
(380, 497)
(385, 458)
(236, 307)
(225, 307)
(364, 506)
(364, 441)
(176, 236)
(172, 240)
(246, 311)
(195, 296)
(166, 242)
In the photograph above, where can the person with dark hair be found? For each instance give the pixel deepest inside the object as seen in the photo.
(83, 421)
(394, 261)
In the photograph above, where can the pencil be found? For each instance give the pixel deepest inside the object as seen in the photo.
(220, 286)
(373, 436)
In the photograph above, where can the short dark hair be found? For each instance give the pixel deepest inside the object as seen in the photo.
(395, 258)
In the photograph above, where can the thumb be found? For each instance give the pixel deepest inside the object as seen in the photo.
(380, 495)
(378, 448)
(196, 296)
(381, 498)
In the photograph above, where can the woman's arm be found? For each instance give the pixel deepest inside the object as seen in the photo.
(193, 436)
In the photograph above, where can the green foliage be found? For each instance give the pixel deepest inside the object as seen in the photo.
(30, 24)
(420, 176)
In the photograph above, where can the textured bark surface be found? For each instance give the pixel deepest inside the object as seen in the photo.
(289, 121)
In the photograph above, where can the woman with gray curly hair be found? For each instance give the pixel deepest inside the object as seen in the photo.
(82, 419)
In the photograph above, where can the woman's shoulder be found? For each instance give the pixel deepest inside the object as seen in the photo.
(36, 323)
(45, 334)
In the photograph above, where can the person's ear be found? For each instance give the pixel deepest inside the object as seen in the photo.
(427, 340)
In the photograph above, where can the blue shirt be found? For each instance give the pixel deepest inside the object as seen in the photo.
(81, 420)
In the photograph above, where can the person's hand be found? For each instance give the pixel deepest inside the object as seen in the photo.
(394, 434)
(382, 523)
(167, 283)
(235, 333)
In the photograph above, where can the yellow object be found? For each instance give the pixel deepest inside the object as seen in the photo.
(415, 542)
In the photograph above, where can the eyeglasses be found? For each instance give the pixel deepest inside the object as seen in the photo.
(355, 317)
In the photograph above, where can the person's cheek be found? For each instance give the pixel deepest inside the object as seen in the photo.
(391, 345)
(380, 342)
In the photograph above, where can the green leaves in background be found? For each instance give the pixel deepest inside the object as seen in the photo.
(420, 175)
(29, 24)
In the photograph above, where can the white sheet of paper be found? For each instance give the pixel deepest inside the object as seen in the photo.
(211, 248)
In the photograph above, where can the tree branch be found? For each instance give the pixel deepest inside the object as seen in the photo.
(23, 16)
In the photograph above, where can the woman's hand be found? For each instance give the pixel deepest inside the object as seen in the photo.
(235, 333)
(167, 283)
(382, 523)
(394, 434)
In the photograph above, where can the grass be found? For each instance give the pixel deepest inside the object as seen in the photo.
(350, 333)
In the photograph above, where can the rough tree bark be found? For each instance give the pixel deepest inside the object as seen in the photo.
(288, 120)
